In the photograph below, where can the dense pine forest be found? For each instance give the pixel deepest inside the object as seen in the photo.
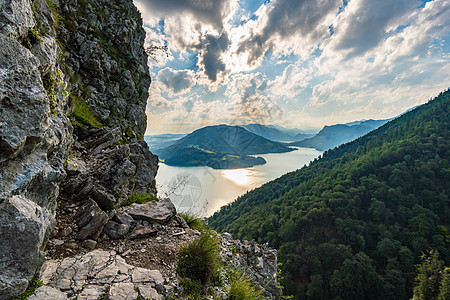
(355, 222)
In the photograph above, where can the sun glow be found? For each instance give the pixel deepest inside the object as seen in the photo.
(238, 176)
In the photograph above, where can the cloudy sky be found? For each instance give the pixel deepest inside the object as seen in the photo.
(296, 63)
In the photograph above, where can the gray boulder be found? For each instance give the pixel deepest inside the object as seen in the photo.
(115, 230)
(24, 228)
(46, 293)
(123, 291)
(91, 220)
(124, 218)
(143, 232)
(153, 211)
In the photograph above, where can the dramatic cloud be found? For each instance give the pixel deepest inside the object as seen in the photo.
(296, 63)
(292, 82)
(176, 81)
(206, 11)
(285, 19)
(364, 24)
(210, 56)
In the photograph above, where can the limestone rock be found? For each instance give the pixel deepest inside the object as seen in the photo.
(88, 276)
(115, 87)
(153, 211)
(23, 100)
(46, 293)
(147, 292)
(124, 218)
(108, 164)
(123, 291)
(140, 275)
(115, 230)
(47, 53)
(143, 232)
(259, 261)
(91, 292)
(89, 244)
(34, 141)
(91, 220)
(16, 17)
(24, 228)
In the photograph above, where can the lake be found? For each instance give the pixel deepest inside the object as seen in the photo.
(203, 190)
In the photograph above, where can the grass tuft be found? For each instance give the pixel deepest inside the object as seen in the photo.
(140, 198)
(192, 288)
(83, 113)
(199, 261)
(193, 220)
(241, 287)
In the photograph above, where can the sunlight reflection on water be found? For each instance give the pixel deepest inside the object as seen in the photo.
(239, 176)
(203, 190)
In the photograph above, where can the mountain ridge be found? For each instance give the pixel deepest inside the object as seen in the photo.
(220, 147)
(331, 136)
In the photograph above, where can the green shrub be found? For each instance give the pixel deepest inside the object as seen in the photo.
(199, 258)
(192, 288)
(140, 198)
(193, 220)
(35, 283)
(241, 288)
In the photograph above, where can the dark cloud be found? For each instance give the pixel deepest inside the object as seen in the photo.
(213, 47)
(204, 11)
(189, 105)
(364, 28)
(287, 18)
(176, 81)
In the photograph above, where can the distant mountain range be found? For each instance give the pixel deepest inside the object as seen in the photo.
(335, 135)
(219, 147)
(277, 133)
(227, 147)
(162, 140)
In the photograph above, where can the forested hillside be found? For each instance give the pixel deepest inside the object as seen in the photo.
(354, 223)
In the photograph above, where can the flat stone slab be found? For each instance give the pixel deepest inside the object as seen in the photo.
(123, 291)
(90, 275)
(153, 211)
(145, 275)
(46, 292)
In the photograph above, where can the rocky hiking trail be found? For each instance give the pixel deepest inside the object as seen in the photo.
(132, 253)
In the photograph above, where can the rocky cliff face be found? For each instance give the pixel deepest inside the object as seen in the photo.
(35, 136)
(107, 67)
(73, 89)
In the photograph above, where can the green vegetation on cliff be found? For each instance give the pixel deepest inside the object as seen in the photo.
(354, 223)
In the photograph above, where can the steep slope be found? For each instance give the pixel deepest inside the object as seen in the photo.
(220, 147)
(353, 223)
(106, 65)
(35, 137)
(335, 135)
(73, 89)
